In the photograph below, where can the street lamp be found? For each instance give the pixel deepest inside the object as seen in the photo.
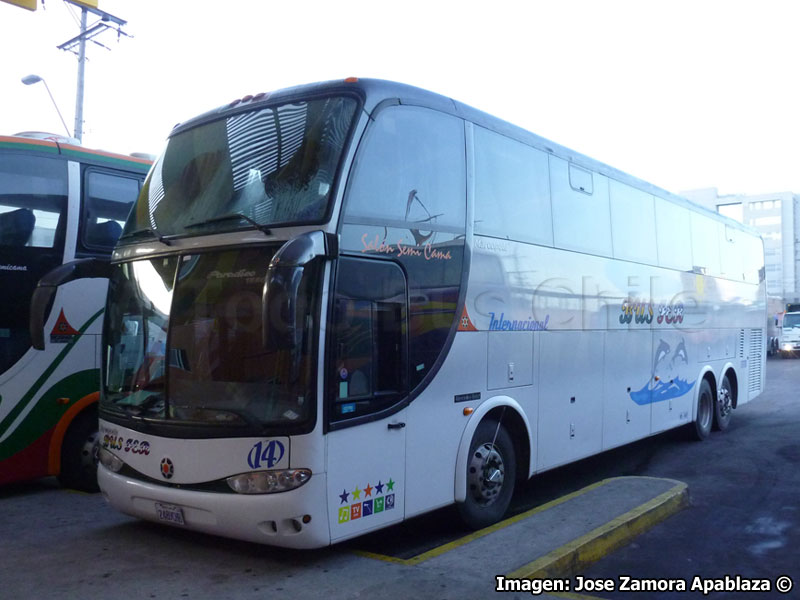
(30, 80)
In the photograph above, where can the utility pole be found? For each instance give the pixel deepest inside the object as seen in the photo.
(81, 75)
(107, 21)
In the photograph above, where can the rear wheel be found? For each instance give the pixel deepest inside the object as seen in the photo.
(723, 407)
(491, 471)
(79, 454)
(705, 411)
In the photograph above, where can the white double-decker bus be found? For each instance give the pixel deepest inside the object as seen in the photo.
(338, 306)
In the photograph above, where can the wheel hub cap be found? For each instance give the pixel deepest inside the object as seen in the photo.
(725, 404)
(486, 474)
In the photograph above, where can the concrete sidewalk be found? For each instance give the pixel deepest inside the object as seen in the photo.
(556, 540)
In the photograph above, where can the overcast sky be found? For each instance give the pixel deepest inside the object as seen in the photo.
(684, 94)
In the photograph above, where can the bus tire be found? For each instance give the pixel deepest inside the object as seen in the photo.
(723, 407)
(705, 412)
(491, 471)
(79, 454)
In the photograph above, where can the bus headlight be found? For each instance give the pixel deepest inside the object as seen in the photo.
(109, 460)
(268, 482)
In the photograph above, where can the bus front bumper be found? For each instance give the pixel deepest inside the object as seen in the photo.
(274, 519)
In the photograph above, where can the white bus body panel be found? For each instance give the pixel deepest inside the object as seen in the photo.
(625, 421)
(366, 477)
(262, 518)
(75, 299)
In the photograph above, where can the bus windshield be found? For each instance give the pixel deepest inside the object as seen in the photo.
(273, 165)
(185, 344)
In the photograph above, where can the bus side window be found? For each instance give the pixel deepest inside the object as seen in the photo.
(411, 170)
(406, 199)
(107, 200)
(368, 366)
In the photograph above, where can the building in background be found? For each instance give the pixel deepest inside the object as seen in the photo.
(775, 217)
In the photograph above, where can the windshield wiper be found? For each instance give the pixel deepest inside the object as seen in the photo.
(229, 217)
(147, 231)
(143, 409)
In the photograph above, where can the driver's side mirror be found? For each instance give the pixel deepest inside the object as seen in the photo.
(279, 299)
(42, 299)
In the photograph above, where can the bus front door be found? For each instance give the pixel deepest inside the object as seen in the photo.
(367, 389)
(366, 476)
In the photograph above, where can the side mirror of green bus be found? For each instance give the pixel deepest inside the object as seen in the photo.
(45, 291)
(279, 299)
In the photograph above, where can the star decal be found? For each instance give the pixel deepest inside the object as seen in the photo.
(379, 487)
(390, 485)
(368, 491)
(344, 495)
(356, 494)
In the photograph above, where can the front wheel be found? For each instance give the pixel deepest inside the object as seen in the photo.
(491, 471)
(705, 411)
(723, 407)
(79, 454)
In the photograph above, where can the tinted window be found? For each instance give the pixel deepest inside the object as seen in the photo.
(33, 196)
(33, 201)
(411, 169)
(368, 368)
(406, 201)
(581, 218)
(271, 165)
(107, 201)
(200, 354)
(705, 244)
(674, 235)
(512, 190)
(633, 224)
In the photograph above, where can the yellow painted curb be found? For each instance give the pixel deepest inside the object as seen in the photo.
(652, 514)
(415, 560)
(573, 557)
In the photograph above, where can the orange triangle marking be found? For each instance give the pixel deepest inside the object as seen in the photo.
(465, 323)
(62, 326)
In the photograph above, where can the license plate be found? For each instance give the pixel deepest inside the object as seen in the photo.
(170, 513)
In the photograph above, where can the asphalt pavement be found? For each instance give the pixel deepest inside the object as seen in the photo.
(744, 514)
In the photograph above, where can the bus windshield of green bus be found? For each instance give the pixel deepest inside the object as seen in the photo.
(185, 345)
(269, 166)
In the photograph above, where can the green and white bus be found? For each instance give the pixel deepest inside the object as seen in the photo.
(58, 202)
(338, 306)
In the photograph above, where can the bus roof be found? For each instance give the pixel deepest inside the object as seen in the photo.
(375, 92)
(62, 146)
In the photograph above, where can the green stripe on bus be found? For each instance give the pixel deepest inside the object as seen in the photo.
(50, 149)
(102, 158)
(49, 371)
(46, 413)
(80, 155)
